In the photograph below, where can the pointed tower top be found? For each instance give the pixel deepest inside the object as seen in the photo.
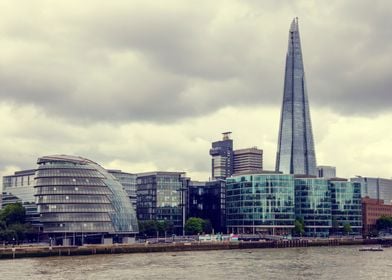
(294, 25)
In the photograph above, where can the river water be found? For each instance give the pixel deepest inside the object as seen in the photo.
(288, 263)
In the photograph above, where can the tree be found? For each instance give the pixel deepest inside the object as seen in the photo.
(164, 226)
(347, 229)
(148, 228)
(384, 223)
(13, 214)
(299, 227)
(194, 226)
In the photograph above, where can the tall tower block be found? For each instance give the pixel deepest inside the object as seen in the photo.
(296, 153)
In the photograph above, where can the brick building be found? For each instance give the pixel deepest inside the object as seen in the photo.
(372, 210)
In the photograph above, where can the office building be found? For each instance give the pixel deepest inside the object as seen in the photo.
(346, 205)
(19, 187)
(206, 200)
(247, 161)
(161, 196)
(376, 188)
(313, 205)
(296, 152)
(79, 200)
(326, 172)
(372, 210)
(128, 181)
(260, 204)
(222, 157)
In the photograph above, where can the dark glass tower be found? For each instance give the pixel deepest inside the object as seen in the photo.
(295, 145)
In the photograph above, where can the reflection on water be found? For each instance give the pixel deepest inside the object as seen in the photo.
(289, 263)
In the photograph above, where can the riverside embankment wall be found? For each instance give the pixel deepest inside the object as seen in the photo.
(30, 252)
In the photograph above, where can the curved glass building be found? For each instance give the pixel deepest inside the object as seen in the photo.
(75, 194)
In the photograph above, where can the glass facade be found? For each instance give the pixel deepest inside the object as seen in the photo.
(160, 196)
(128, 181)
(346, 205)
(376, 188)
(74, 194)
(206, 200)
(260, 203)
(313, 205)
(296, 152)
(19, 187)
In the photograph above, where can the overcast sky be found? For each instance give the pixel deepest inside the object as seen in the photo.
(148, 85)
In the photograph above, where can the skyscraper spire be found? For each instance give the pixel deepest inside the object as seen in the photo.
(296, 153)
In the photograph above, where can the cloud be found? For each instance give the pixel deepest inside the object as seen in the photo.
(142, 85)
(155, 62)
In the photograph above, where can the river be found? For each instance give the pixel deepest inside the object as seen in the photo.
(289, 263)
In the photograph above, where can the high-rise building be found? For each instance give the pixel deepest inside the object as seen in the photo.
(248, 160)
(78, 198)
(326, 172)
(161, 197)
(377, 188)
(222, 157)
(296, 153)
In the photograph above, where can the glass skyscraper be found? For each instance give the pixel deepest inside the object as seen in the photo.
(296, 153)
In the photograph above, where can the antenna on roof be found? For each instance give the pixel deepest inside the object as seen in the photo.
(226, 135)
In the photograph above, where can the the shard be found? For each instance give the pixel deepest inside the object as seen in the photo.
(296, 153)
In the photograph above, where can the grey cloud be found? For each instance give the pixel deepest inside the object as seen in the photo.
(146, 62)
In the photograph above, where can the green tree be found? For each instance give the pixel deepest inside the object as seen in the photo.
(13, 214)
(384, 223)
(347, 229)
(299, 227)
(148, 228)
(164, 226)
(194, 226)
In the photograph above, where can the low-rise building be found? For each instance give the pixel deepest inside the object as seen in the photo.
(260, 203)
(206, 200)
(313, 205)
(346, 205)
(372, 210)
(326, 172)
(161, 197)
